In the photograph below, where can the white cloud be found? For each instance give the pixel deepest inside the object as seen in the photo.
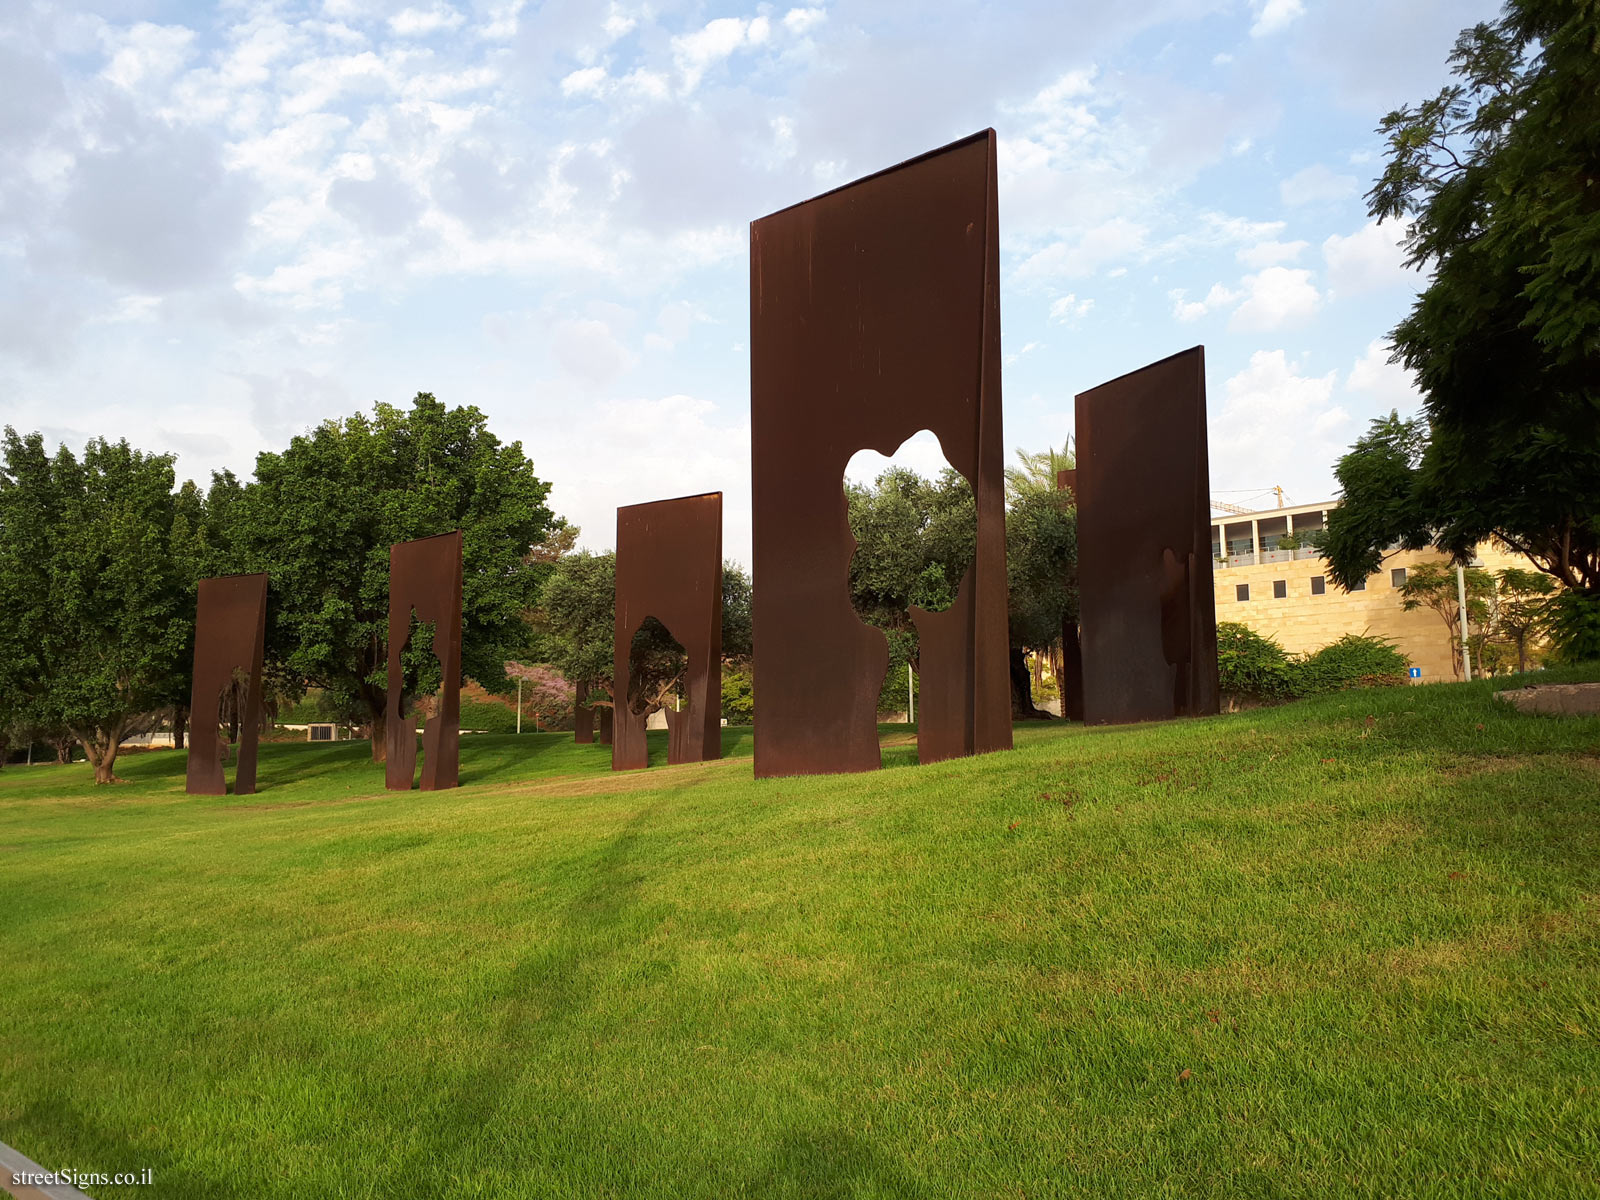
(1369, 259)
(585, 82)
(1388, 385)
(147, 53)
(1066, 309)
(673, 446)
(1275, 297)
(697, 52)
(589, 351)
(419, 22)
(800, 21)
(1273, 16)
(1317, 184)
(618, 23)
(1192, 310)
(1273, 422)
(1269, 253)
(1094, 248)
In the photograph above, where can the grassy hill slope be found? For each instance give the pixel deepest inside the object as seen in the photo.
(1348, 946)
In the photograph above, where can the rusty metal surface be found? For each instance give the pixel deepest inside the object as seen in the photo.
(229, 635)
(582, 724)
(425, 577)
(604, 736)
(669, 566)
(1071, 647)
(874, 314)
(1149, 627)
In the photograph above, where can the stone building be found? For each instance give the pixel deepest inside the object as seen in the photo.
(1264, 580)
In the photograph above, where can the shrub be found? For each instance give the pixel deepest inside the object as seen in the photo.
(1353, 661)
(1575, 627)
(1251, 665)
(738, 695)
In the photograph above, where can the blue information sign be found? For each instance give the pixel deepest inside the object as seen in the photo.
(1416, 672)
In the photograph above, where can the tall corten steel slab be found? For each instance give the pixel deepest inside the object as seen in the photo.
(1149, 624)
(425, 577)
(669, 566)
(1071, 647)
(229, 635)
(874, 314)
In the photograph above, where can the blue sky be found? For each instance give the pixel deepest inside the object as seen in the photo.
(222, 223)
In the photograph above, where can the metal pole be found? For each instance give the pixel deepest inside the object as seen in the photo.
(911, 699)
(1461, 597)
(519, 706)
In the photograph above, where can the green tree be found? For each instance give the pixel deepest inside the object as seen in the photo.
(1496, 176)
(320, 517)
(1041, 579)
(1433, 586)
(1521, 608)
(97, 587)
(1036, 470)
(915, 540)
(578, 607)
(578, 622)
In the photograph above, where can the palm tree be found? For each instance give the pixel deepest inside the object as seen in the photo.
(1037, 472)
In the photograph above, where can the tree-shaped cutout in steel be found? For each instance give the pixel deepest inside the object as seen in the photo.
(874, 313)
(669, 566)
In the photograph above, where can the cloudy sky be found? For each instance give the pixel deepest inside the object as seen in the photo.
(221, 223)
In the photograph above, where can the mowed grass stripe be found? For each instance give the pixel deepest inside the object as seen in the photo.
(1365, 926)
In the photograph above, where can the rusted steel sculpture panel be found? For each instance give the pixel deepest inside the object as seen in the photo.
(582, 724)
(669, 566)
(604, 736)
(229, 635)
(1071, 647)
(1144, 545)
(874, 314)
(425, 578)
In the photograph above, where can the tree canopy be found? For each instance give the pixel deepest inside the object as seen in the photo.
(321, 515)
(577, 622)
(915, 539)
(97, 571)
(1496, 177)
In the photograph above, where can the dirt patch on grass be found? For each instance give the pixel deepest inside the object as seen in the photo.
(1498, 764)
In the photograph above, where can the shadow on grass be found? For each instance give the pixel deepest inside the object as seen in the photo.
(1535, 818)
(828, 1164)
(97, 1148)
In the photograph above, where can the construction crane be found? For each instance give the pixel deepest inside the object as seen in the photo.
(1237, 509)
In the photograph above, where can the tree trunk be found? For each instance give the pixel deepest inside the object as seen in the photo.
(1022, 689)
(63, 750)
(1522, 653)
(379, 732)
(102, 752)
(377, 703)
(180, 725)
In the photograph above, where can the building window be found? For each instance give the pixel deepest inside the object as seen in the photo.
(1361, 586)
(1241, 591)
(1397, 577)
(1280, 588)
(1319, 585)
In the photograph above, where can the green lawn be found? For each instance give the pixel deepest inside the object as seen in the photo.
(1344, 947)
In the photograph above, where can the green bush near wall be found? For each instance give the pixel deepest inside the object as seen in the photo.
(1253, 666)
